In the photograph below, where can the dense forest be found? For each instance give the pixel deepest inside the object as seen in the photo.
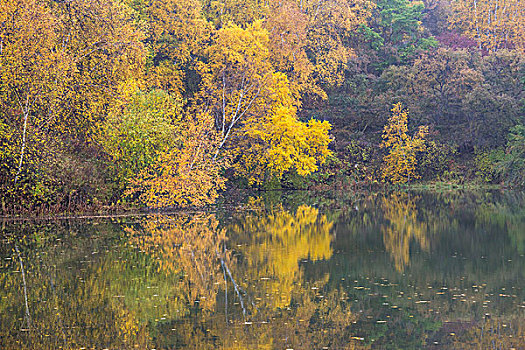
(169, 103)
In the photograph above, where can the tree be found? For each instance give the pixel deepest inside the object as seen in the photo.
(176, 34)
(29, 65)
(512, 167)
(137, 129)
(495, 25)
(185, 174)
(255, 107)
(400, 162)
(61, 64)
(279, 142)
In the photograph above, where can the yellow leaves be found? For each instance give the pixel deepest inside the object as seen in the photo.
(237, 49)
(494, 25)
(331, 23)
(186, 174)
(287, 26)
(177, 31)
(280, 142)
(400, 162)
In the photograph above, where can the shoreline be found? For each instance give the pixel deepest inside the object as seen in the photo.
(122, 212)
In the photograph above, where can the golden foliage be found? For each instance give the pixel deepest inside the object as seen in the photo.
(331, 23)
(176, 31)
(278, 142)
(495, 24)
(401, 162)
(186, 174)
(279, 241)
(403, 226)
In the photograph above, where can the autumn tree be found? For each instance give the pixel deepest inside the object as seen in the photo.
(185, 174)
(279, 142)
(495, 25)
(60, 68)
(400, 162)
(137, 129)
(29, 67)
(255, 107)
(176, 33)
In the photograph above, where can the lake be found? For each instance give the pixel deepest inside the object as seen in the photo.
(399, 270)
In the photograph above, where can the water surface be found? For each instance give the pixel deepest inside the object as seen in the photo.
(381, 271)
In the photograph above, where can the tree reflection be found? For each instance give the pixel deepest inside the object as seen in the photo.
(272, 278)
(67, 294)
(274, 242)
(189, 245)
(402, 227)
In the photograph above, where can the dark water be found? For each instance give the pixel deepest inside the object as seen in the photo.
(383, 271)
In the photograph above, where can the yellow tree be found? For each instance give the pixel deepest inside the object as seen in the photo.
(279, 142)
(176, 32)
(255, 107)
(308, 38)
(331, 23)
(287, 26)
(494, 24)
(235, 79)
(29, 64)
(60, 67)
(184, 174)
(400, 162)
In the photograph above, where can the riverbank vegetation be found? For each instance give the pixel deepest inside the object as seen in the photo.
(168, 102)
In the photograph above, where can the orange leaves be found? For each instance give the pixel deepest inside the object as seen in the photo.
(400, 162)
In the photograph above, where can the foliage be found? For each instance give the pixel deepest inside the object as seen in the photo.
(495, 25)
(512, 166)
(183, 175)
(138, 129)
(485, 162)
(99, 99)
(401, 161)
(279, 142)
(437, 160)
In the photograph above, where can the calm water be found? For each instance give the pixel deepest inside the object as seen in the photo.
(384, 271)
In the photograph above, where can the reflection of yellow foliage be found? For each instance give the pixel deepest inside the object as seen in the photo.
(280, 240)
(401, 213)
(185, 244)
